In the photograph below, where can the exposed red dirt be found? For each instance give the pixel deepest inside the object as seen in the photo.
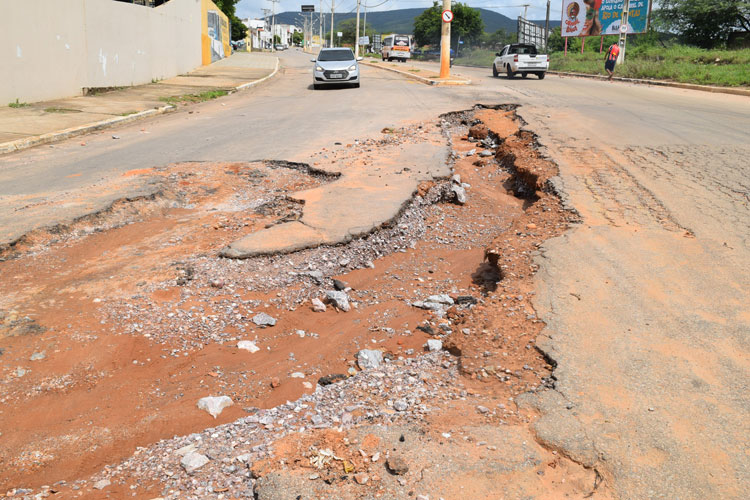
(102, 391)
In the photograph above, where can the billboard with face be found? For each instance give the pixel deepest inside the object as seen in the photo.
(602, 17)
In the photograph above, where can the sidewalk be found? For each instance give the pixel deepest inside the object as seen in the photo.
(416, 70)
(51, 121)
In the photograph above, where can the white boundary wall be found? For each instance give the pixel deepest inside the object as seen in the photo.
(54, 48)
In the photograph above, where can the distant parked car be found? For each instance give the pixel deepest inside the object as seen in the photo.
(280, 46)
(335, 66)
(520, 58)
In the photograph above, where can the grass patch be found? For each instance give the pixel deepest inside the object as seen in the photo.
(193, 98)
(482, 58)
(128, 113)
(18, 104)
(61, 110)
(415, 70)
(727, 68)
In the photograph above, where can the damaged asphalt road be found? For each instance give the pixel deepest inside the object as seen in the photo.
(638, 309)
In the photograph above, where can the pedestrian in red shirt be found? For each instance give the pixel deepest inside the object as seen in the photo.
(611, 60)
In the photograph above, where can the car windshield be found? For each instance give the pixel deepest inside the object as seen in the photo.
(336, 55)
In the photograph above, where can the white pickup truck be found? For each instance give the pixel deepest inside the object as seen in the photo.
(520, 58)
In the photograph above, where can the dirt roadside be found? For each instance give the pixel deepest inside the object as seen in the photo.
(123, 321)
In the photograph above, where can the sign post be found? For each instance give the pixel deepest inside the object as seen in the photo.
(445, 40)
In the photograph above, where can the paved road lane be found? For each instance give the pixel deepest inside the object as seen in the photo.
(645, 301)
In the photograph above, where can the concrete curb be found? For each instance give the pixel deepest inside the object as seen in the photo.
(61, 135)
(427, 81)
(256, 82)
(50, 137)
(661, 83)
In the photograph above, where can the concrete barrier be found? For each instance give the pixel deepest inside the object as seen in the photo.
(51, 49)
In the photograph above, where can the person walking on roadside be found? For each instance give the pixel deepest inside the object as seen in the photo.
(611, 59)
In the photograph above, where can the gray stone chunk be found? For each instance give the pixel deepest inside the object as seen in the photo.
(193, 461)
(338, 299)
(434, 345)
(263, 319)
(214, 404)
(369, 359)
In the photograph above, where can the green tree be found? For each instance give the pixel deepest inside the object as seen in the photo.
(705, 23)
(239, 30)
(467, 25)
(297, 38)
(349, 26)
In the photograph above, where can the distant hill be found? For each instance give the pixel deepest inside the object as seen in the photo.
(402, 20)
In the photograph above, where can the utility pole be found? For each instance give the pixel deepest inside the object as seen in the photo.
(445, 44)
(356, 42)
(273, 25)
(333, 7)
(320, 21)
(623, 30)
(266, 12)
(546, 30)
(364, 30)
(525, 7)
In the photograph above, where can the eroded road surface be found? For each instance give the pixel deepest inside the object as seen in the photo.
(515, 289)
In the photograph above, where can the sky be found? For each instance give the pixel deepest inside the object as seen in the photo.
(511, 8)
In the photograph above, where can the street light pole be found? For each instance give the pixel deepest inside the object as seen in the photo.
(445, 44)
(273, 25)
(356, 42)
(320, 21)
(333, 7)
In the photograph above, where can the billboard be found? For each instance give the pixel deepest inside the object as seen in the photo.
(602, 17)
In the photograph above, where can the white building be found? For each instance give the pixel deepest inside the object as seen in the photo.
(259, 33)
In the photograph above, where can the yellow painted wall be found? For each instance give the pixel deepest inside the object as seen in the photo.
(215, 36)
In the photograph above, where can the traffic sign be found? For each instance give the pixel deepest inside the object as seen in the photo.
(447, 16)
(308, 8)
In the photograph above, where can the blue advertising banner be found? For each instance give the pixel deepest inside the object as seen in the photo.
(602, 17)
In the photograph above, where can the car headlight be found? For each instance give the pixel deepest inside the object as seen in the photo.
(353, 67)
(318, 68)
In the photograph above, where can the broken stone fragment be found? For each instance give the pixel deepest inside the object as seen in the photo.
(440, 299)
(459, 194)
(434, 345)
(193, 461)
(397, 465)
(339, 299)
(263, 319)
(331, 379)
(340, 285)
(37, 356)
(214, 404)
(248, 345)
(369, 359)
(318, 305)
(101, 484)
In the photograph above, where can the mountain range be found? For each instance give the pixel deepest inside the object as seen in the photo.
(402, 20)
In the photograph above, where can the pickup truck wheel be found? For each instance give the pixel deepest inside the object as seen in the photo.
(540, 75)
(494, 70)
(508, 72)
(524, 75)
